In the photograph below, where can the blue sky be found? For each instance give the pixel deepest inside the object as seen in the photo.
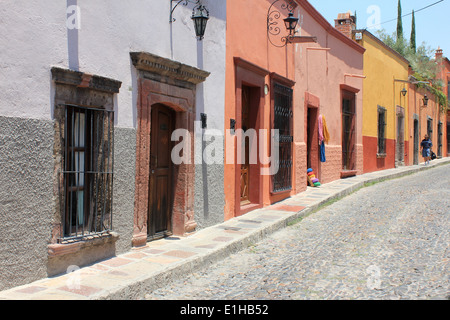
(432, 24)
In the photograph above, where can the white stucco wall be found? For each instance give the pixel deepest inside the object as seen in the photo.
(34, 38)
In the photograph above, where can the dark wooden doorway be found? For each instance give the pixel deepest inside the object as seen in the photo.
(312, 145)
(448, 137)
(249, 179)
(400, 140)
(416, 141)
(160, 189)
(245, 166)
(348, 134)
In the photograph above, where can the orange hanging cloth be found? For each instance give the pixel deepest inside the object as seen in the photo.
(326, 134)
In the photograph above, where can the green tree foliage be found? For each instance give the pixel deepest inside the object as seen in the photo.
(421, 60)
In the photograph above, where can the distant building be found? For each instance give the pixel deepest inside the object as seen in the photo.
(385, 112)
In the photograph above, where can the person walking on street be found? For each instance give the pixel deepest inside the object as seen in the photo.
(426, 145)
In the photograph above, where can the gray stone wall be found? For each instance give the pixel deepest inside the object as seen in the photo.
(209, 187)
(26, 199)
(209, 195)
(27, 202)
(27, 196)
(124, 186)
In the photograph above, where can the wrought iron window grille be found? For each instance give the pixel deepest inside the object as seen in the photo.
(87, 163)
(381, 131)
(283, 115)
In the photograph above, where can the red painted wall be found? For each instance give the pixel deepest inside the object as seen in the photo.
(374, 163)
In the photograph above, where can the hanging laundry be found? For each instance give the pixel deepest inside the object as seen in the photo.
(326, 133)
(324, 137)
(320, 125)
(322, 152)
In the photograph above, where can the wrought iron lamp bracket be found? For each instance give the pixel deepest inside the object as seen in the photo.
(184, 3)
(273, 19)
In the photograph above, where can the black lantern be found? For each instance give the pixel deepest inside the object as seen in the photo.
(291, 23)
(200, 16)
(404, 92)
(425, 100)
(275, 32)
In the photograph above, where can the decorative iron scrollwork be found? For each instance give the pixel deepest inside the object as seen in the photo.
(273, 21)
(184, 3)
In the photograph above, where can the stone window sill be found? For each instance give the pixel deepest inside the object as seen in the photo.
(60, 249)
(381, 155)
(348, 173)
(274, 193)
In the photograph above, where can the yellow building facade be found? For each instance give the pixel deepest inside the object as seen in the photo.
(385, 104)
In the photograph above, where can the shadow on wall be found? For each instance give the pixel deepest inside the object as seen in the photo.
(73, 25)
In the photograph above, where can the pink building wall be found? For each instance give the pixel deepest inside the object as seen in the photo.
(322, 70)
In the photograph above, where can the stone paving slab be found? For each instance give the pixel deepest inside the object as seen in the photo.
(144, 269)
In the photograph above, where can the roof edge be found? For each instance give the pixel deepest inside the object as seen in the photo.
(328, 27)
(378, 40)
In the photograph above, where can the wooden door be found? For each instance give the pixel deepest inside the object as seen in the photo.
(160, 191)
(245, 167)
(348, 132)
(312, 144)
(416, 141)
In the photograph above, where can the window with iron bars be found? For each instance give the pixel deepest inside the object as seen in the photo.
(448, 90)
(439, 142)
(430, 128)
(381, 131)
(282, 180)
(88, 153)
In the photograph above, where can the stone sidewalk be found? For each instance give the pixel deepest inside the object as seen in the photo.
(135, 273)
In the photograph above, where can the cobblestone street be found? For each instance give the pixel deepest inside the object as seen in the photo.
(386, 241)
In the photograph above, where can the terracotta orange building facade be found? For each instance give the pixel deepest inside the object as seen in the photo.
(253, 68)
(271, 84)
(444, 76)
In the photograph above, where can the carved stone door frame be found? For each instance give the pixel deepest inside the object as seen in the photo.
(172, 84)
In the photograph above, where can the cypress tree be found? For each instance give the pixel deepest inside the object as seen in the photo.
(399, 22)
(413, 33)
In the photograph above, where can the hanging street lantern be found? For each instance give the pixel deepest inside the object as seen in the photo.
(425, 100)
(291, 23)
(200, 16)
